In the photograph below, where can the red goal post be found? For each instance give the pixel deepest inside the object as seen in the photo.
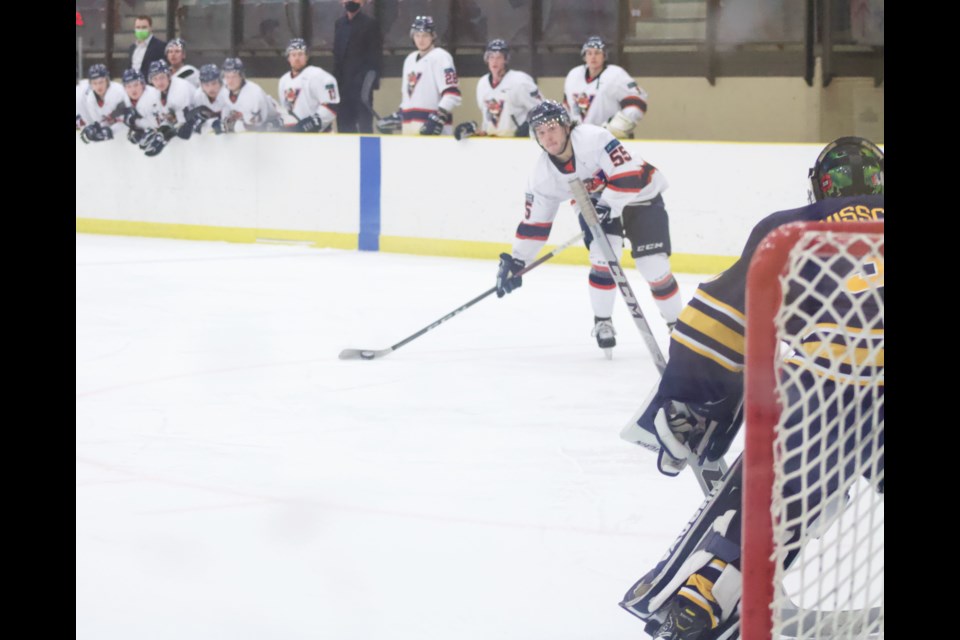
(766, 604)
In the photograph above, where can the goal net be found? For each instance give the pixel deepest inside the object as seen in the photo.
(813, 475)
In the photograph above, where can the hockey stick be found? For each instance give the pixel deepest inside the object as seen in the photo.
(593, 223)
(370, 354)
(708, 473)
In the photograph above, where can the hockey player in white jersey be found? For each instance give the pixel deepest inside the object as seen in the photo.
(175, 94)
(82, 88)
(603, 94)
(144, 111)
(430, 88)
(618, 183)
(103, 106)
(249, 108)
(207, 103)
(505, 97)
(176, 53)
(308, 95)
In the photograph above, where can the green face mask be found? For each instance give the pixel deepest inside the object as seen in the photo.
(141, 34)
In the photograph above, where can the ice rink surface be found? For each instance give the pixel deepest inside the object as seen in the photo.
(236, 480)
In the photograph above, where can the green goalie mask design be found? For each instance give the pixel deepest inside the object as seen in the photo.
(847, 166)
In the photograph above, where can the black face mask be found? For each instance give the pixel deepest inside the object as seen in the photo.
(352, 6)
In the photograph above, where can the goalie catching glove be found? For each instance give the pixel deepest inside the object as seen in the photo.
(507, 280)
(620, 126)
(434, 124)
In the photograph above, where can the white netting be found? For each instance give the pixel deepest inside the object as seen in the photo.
(827, 506)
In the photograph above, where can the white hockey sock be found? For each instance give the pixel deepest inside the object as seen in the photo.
(655, 270)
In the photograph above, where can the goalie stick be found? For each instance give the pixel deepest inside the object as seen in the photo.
(370, 354)
(708, 473)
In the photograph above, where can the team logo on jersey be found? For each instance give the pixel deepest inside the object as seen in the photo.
(412, 79)
(583, 102)
(290, 96)
(494, 108)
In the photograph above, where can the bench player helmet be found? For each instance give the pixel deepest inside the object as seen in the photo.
(176, 43)
(156, 68)
(425, 24)
(98, 71)
(848, 166)
(296, 44)
(209, 73)
(234, 64)
(131, 75)
(593, 42)
(497, 46)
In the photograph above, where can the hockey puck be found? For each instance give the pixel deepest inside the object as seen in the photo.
(366, 355)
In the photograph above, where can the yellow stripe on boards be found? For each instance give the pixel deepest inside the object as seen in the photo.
(578, 255)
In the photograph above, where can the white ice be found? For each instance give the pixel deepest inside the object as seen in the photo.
(236, 480)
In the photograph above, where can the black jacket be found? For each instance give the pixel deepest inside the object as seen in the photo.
(357, 49)
(156, 50)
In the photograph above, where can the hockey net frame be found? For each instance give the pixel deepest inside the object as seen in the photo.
(768, 607)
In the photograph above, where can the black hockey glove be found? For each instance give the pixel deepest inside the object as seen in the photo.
(310, 124)
(218, 126)
(135, 135)
(506, 280)
(434, 124)
(465, 130)
(96, 133)
(130, 117)
(186, 130)
(603, 213)
(144, 140)
(153, 143)
(393, 122)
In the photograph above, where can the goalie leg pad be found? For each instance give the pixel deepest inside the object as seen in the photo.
(713, 532)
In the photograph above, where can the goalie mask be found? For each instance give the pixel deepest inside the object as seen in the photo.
(848, 166)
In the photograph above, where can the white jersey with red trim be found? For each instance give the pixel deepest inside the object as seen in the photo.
(82, 118)
(108, 111)
(612, 176)
(218, 105)
(148, 108)
(596, 100)
(505, 105)
(312, 91)
(428, 83)
(249, 108)
(189, 73)
(174, 102)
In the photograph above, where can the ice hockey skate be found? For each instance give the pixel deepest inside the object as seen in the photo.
(685, 621)
(605, 334)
